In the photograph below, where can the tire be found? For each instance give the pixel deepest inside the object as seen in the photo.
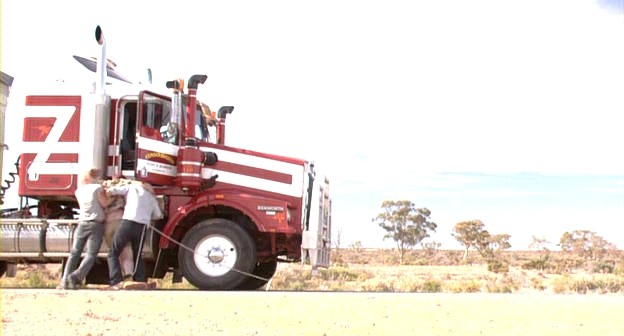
(264, 270)
(219, 248)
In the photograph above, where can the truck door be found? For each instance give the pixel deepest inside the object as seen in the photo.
(157, 141)
(127, 136)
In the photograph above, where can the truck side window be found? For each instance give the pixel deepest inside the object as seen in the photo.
(128, 136)
(156, 116)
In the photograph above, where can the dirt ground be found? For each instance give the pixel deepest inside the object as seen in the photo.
(95, 312)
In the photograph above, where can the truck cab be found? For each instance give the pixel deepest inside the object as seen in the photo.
(230, 214)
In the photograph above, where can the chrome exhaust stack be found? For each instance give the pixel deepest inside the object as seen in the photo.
(101, 62)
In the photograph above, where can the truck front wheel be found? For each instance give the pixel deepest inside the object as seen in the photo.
(218, 253)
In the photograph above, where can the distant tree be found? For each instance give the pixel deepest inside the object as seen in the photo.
(470, 234)
(601, 248)
(405, 224)
(575, 241)
(431, 247)
(357, 246)
(586, 244)
(337, 241)
(483, 244)
(500, 242)
(473, 234)
(538, 244)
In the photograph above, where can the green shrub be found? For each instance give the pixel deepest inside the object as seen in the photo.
(410, 285)
(560, 285)
(612, 284)
(432, 286)
(537, 264)
(603, 267)
(376, 286)
(536, 283)
(390, 259)
(291, 279)
(567, 265)
(340, 273)
(467, 286)
(336, 287)
(497, 266)
(417, 262)
(36, 280)
(339, 263)
(582, 286)
(296, 286)
(504, 284)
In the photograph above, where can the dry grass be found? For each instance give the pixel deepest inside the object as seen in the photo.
(356, 296)
(446, 279)
(369, 271)
(445, 271)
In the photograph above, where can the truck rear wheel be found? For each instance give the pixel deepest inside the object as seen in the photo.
(221, 251)
(264, 270)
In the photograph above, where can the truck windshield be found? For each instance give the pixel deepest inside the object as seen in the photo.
(160, 122)
(201, 127)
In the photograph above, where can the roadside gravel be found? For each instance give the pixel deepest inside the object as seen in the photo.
(164, 312)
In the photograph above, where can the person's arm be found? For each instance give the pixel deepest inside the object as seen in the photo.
(103, 198)
(117, 190)
(156, 212)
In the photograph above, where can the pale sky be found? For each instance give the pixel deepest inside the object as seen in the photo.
(504, 111)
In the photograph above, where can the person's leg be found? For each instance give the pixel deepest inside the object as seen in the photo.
(120, 240)
(80, 238)
(127, 262)
(125, 258)
(94, 243)
(138, 234)
(110, 228)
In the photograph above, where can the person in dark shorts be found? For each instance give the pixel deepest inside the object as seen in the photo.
(140, 209)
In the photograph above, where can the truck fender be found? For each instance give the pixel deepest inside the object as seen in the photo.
(194, 204)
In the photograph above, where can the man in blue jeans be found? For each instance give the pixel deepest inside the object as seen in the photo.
(140, 209)
(90, 230)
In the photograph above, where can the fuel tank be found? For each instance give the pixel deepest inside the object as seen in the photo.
(37, 240)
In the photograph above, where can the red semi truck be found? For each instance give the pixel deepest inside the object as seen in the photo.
(231, 214)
